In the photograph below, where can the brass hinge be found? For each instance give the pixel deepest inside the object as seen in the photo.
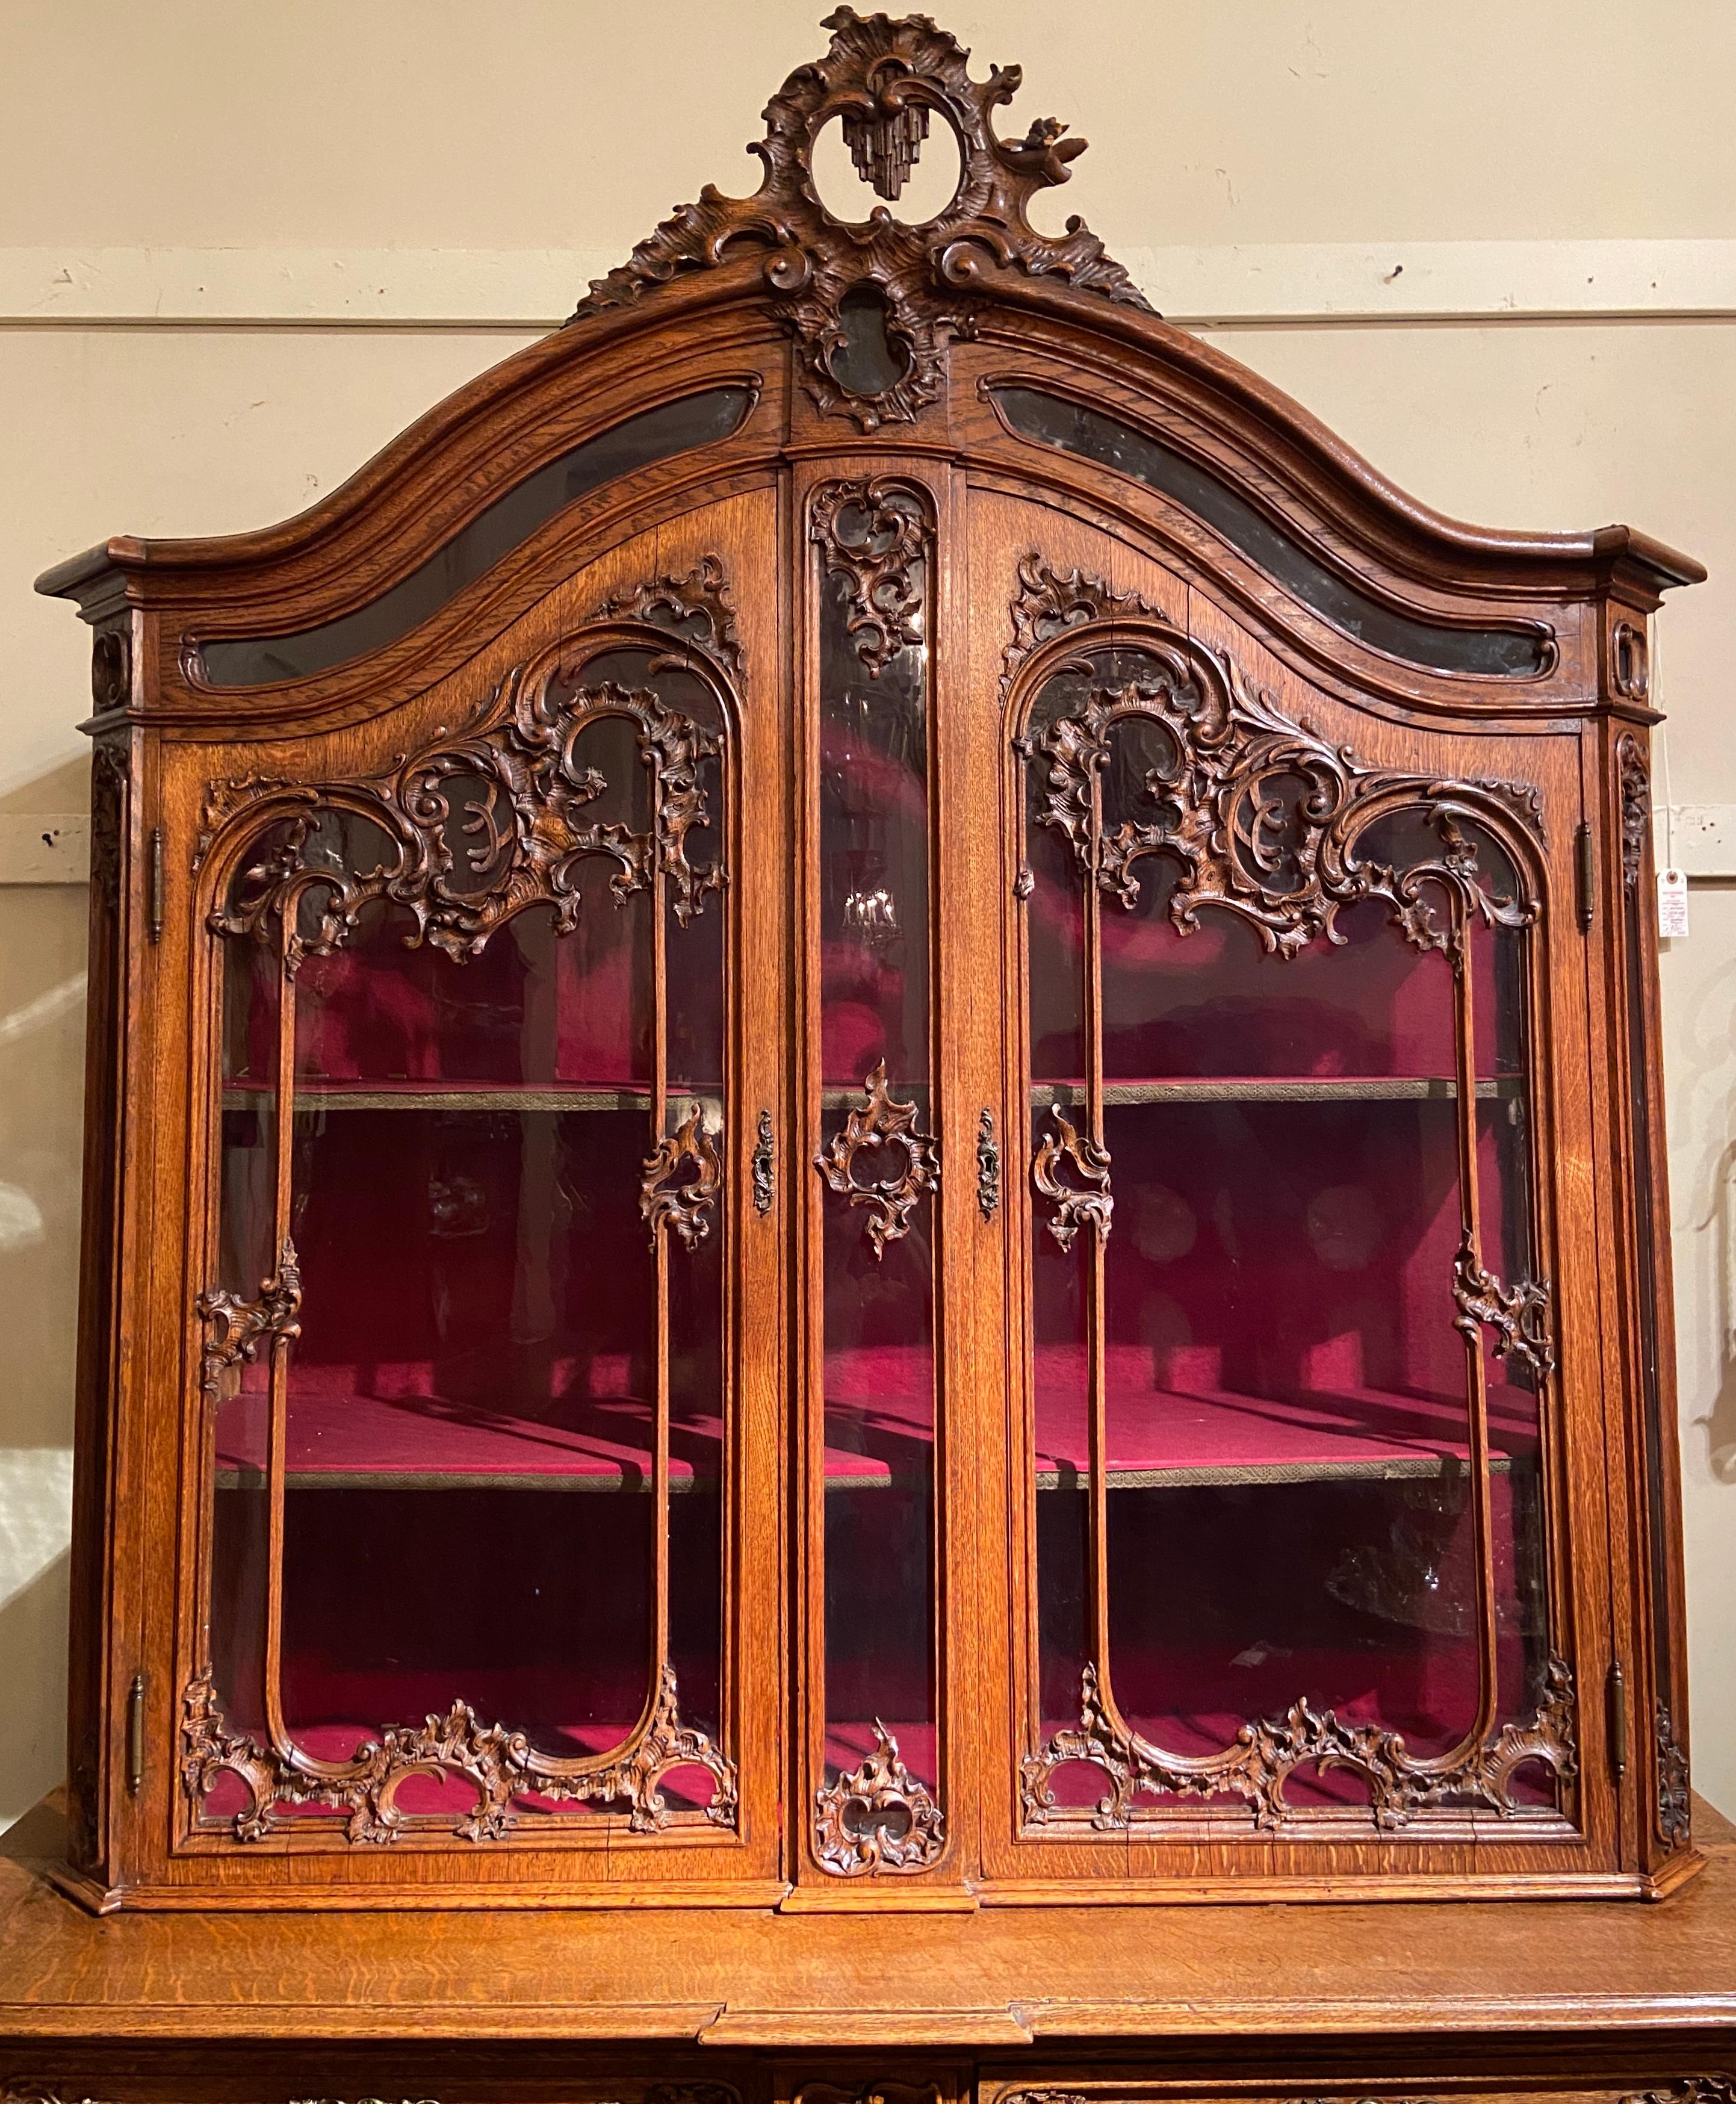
(156, 899)
(135, 1736)
(1617, 1719)
(1585, 874)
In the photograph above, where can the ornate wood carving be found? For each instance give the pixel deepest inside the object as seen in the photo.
(1048, 602)
(1637, 807)
(881, 1121)
(1266, 1751)
(464, 863)
(1262, 816)
(498, 1763)
(109, 780)
(988, 1167)
(878, 1818)
(886, 78)
(874, 534)
(111, 670)
(684, 1205)
(693, 2093)
(1675, 1797)
(1074, 1208)
(880, 2091)
(38, 2092)
(235, 1328)
(1628, 667)
(696, 608)
(765, 1165)
(1518, 1315)
(1693, 2089)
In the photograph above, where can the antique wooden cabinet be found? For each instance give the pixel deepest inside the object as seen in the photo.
(873, 1125)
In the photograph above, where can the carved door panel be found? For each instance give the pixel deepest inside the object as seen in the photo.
(497, 1021)
(1286, 1392)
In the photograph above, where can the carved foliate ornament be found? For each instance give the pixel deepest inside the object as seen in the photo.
(988, 1167)
(498, 1764)
(695, 607)
(1265, 1752)
(1518, 1315)
(1675, 1797)
(878, 1817)
(887, 80)
(680, 1182)
(764, 1164)
(472, 829)
(1636, 807)
(1083, 1202)
(235, 1329)
(880, 1121)
(874, 534)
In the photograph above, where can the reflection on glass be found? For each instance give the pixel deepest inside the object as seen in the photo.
(483, 1483)
(1053, 421)
(696, 420)
(1272, 1465)
(875, 1116)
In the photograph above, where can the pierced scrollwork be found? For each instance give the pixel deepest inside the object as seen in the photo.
(694, 609)
(1693, 2089)
(1675, 1797)
(1091, 1207)
(988, 1167)
(234, 1328)
(1265, 1752)
(1636, 807)
(881, 1121)
(764, 1164)
(684, 1205)
(1263, 818)
(874, 534)
(1518, 1315)
(498, 1764)
(878, 1817)
(474, 829)
(885, 78)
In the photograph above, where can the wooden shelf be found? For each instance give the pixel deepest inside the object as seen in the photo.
(1279, 1088)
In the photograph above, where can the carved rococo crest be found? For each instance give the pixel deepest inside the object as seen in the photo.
(886, 80)
(234, 1328)
(683, 1201)
(878, 1817)
(695, 608)
(881, 1120)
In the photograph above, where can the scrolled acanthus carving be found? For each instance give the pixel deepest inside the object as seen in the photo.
(988, 1167)
(881, 1121)
(878, 1817)
(1263, 818)
(498, 1763)
(885, 78)
(1265, 1752)
(1091, 1207)
(1636, 807)
(874, 534)
(682, 1201)
(764, 1164)
(234, 1328)
(1675, 1796)
(694, 609)
(476, 827)
(1518, 1315)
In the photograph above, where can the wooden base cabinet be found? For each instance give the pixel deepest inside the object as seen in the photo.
(873, 1128)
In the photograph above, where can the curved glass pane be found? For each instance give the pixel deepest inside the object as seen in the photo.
(1053, 420)
(260, 661)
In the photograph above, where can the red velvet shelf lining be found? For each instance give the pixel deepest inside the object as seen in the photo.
(1189, 1429)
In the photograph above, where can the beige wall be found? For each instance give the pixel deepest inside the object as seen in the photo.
(204, 324)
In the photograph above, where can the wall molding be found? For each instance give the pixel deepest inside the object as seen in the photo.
(529, 290)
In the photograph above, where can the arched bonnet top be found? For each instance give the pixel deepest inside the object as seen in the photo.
(956, 336)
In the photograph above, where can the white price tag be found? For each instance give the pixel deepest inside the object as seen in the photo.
(1672, 904)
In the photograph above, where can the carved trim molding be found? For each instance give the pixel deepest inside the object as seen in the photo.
(685, 1206)
(886, 79)
(234, 1328)
(474, 828)
(498, 1763)
(1675, 1795)
(1637, 807)
(1074, 1208)
(875, 535)
(878, 1818)
(881, 1121)
(1266, 1751)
